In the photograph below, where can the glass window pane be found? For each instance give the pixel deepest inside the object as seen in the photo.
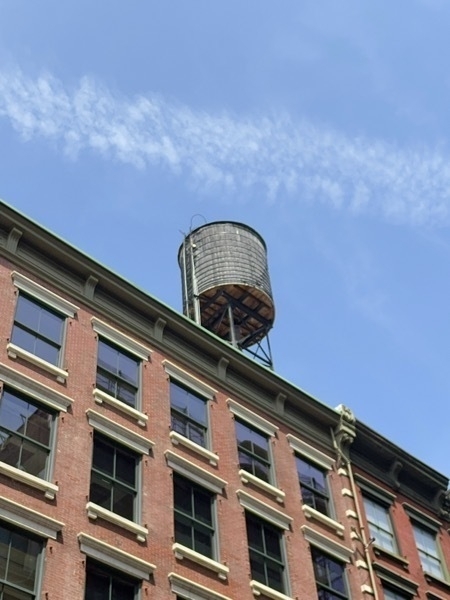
(47, 351)
(128, 368)
(203, 542)
(27, 313)
(202, 507)
(123, 502)
(101, 491)
(272, 539)
(23, 339)
(50, 326)
(103, 457)
(126, 468)
(107, 357)
(33, 459)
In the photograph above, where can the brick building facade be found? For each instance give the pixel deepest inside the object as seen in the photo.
(143, 457)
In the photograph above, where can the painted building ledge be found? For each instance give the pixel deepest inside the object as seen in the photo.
(181, 552)
(247, 477)
(28, 519)
(115, 558)
(259, 589)
(178, 439)
(94, 511)
(312, 513)
(101, 397)
(50, 489)
(194, 591)
(17, 352)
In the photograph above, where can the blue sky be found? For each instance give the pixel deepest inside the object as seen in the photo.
(323, 125)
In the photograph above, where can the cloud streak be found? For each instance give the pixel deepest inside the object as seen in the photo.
(275, 154)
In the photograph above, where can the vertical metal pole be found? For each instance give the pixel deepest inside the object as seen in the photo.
(232, 331)
(195, 299)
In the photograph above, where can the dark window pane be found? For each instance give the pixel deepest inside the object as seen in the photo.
(123, 503)
(18, 562)
(203, 543)
(126, 467)
(203, 508)
(105, 584)
(103, 459)
(101, 491)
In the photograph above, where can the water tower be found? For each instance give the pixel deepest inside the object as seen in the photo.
(226, 285)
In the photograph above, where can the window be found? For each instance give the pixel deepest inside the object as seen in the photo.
(313, 485)
(253, 450)
(330, 576)
(390, 594)
(118, 372)
(19, 564)
(114, 477)
(193, 508)
(380, 525)
(38, 329)
(265, 551)
(107, 584)
(188, 413)
(25, 433)
(428, 551)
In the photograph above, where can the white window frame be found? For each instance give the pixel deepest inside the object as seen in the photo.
(53, 301)
(48, 397)
(138, 444)
(185, 379)
(131, 346)
(212, 483)
(268, 429)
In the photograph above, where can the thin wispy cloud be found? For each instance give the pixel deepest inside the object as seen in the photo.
(279, 155)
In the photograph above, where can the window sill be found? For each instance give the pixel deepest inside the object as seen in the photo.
(379, 551)
(433, 579)
(177, 438)
(259, 589)
(16, 352)
(182, 552)
(95, 511)
(101, 397)
(247, 477)
(312, 513)
(49, 489)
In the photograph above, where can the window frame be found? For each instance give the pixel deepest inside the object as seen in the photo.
(263, 586)
(325, 496)
(438, 557)
(47, 397)
(214, 484)
(141, 446)
(39, 566)
(128, 346)
(265, 428)
(53, 303)
(373, 527)
(95, 566)
(49, 448)
(117, 446)
(196, 524)
(205, 427)
(317, 552)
